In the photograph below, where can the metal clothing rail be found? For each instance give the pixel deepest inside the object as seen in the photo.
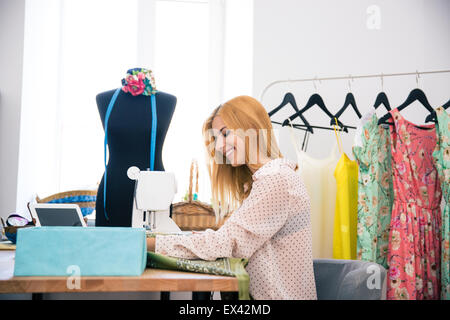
(350, 77)
(305, 127)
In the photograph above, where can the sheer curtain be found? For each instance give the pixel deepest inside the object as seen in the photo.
(73, 51)
(95, 56)
(77, 49)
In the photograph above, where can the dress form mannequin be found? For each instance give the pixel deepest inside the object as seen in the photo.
(129, 130)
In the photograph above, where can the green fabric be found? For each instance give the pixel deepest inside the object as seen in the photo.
(232, 267)
(441, 156)
(375, 192)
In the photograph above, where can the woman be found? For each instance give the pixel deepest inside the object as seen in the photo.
(270, 225)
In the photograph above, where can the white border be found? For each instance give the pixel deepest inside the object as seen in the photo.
(34, 214)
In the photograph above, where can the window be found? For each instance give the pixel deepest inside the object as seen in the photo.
(73, 50)
(192, 64)
(94, 58)
(181, 69)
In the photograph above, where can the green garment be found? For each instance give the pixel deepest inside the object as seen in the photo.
(441, 157)
(375, 192)
(232, 267)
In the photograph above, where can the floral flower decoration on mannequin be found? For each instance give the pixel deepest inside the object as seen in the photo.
(139, 81)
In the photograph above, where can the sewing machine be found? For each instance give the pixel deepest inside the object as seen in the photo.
(153, 194)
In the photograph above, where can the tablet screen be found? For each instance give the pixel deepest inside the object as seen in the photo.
(58, 217)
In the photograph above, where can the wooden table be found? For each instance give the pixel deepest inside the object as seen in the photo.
(150, 280)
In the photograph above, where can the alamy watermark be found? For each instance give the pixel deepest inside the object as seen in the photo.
(374, 280)
(373, 21)
(74, 279)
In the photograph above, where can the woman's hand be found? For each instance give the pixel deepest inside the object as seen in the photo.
(151, 244)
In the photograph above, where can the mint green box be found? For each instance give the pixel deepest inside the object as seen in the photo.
(87, 251)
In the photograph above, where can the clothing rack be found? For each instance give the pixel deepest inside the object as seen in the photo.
(350, 77)
(305, 127)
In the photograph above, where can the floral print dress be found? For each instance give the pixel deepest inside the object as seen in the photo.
(442, 160)
(375, 192)
(414, 239)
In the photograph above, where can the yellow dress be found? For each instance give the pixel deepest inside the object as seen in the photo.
(317, 175)
(346, 211)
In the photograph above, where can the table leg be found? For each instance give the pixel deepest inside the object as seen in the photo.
(201, 295)
(37, 296)
(165, 295)
(229, 295)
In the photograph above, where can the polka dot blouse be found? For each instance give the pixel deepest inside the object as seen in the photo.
(271, 228)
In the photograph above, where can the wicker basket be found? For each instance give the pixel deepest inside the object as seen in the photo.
(193, 214)
(85, 199)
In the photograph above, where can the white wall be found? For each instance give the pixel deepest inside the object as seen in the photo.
(12, 16)
(303, 39)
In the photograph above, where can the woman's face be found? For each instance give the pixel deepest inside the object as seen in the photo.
(227, 143)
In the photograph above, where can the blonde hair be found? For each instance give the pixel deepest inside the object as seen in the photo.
(231, 185)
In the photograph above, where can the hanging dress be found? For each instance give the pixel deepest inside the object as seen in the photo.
(414, 239)
(375, 190)
(346, 211)
(317, 175)
(442, 161)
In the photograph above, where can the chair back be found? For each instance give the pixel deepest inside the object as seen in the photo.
(349, 280)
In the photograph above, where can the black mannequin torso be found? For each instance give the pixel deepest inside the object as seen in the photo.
(129, 130)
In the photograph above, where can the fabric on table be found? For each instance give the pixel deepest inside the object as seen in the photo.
(271, 229)
(441, 156)
(375, 191)
(317, 174)
(414, 238)
(346, 211)
(232, 267)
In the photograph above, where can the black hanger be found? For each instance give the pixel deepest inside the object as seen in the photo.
(315, 99)
(382, 99)
(414, 95)
(349, 101)
(432, 117)
(290, 99)
(446, 105)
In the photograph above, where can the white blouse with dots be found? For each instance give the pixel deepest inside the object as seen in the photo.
(271, 228)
